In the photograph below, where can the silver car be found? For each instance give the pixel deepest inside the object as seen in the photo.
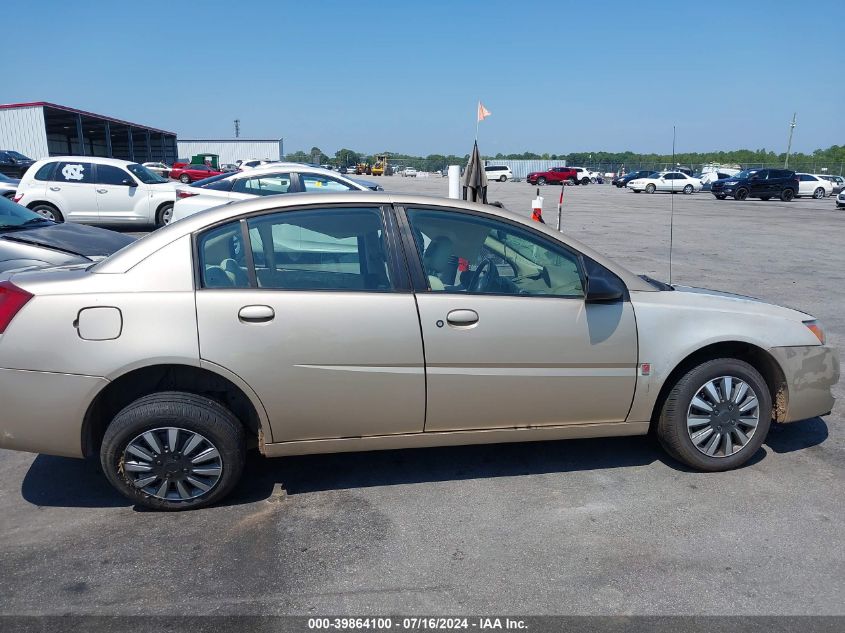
(364, 321)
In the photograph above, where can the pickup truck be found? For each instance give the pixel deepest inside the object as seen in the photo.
(554, 176)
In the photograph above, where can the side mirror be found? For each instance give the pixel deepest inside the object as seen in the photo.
(603, 290)
(128, 182)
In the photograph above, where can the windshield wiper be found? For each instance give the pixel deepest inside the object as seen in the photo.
(38, 220)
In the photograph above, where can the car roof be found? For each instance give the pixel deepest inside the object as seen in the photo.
(128, 257)
(90, 159)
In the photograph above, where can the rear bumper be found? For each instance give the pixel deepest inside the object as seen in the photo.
(42, 412)
(810, 371)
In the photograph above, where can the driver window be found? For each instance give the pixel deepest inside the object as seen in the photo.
(463, 253)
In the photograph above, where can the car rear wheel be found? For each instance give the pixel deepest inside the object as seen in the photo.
(541, 181)
(185, 178)
(741, 194)
(585, 181)
(650, 188)
(688, 189)
(173, 451)
(716, 416)
(48, 211)
(503, 178)
(787, 195)
(164, 215)
(818, 194)
(571, 181)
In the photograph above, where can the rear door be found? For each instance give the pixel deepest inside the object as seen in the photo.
(509, 340)
(312, 309)
(120, 198)
(73, 191)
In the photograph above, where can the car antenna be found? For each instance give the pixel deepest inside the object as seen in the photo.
(672, 213)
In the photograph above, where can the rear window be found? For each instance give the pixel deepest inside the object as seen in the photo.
(74, 172)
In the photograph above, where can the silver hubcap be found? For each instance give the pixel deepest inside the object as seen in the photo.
(723, 416)
(819, 193)
(47, 213)
(173, 464)
(167, 215)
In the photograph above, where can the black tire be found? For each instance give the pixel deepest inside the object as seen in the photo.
(818, 194)
(503, 178)
(185, 178)
(48, 211)
(787, 195)
(741, 194)
(764, 198)
(636, 190)
(720, 196)
(9, 195)
(572, 181)
(163, 215)
(585, 181)
(541, 181)
(672, 424)
(688, 189)
(184, 411)
(650, 188)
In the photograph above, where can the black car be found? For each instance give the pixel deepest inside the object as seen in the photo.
(14, 163)
(622, 181)
(28, 239)
(757, 183)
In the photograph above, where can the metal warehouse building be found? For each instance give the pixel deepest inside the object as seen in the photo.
(231, 150)
(42, 129)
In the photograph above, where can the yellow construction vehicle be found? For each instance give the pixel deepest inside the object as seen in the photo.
(362, 169)
(380, 165)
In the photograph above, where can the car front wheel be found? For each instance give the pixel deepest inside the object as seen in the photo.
(650, 188)
(185, 178)
(541, 181)
(818, 194)
(173, 451)
(716, 416)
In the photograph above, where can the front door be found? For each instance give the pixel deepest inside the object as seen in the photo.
(509, 340)
(317, 317)
(118, 201)
(72, 190)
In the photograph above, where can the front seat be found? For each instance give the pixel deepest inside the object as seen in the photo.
(440, 263)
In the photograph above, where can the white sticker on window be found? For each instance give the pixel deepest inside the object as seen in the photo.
(73, 172)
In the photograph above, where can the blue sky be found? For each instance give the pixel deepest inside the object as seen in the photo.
(406, 76)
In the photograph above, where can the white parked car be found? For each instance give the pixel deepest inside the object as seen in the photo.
(584, 176)
(96, 191)
(410, 172)
(252, 163)
(270, 180)
(672, 181)
(813, 186)
(159, 168)
(840, 200)
(502, 173)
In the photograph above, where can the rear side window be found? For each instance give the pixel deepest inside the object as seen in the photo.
(74, 172)
(222, 258)
(805, 178)
(318, 182)
(264, 185)
(45, 172)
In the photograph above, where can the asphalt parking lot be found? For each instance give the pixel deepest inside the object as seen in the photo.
(609, 526)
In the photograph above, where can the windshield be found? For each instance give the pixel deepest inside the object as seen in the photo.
(17, 155)
(746, 173)
(145, 175)
(207, 181)
(14, 215)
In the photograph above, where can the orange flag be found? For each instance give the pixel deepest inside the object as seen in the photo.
(483, 112)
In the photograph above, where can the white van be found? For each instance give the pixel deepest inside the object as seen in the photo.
(498, 172)
(96, 191)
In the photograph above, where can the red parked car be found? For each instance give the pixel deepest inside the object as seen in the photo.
(190, 173)
(554, 176)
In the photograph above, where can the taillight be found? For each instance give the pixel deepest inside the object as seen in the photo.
(185, 194)
(12, 299)
(17, 197)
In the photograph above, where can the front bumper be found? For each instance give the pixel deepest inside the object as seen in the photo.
(43, 412)
(810, 371)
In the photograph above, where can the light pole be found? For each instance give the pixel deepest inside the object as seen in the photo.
(789, 144)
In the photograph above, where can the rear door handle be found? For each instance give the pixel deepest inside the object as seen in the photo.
(55, 188)
(256, 314)
(102, 190)
(462, 318)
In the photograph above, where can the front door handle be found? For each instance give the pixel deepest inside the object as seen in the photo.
(462, 318)
(102, 190)
(256, 314)
(55, 188)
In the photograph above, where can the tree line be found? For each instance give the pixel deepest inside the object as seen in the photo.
(832, 156)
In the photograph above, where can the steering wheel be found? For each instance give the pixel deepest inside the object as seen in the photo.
(481, 280)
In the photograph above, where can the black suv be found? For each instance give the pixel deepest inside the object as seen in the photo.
(757, 183)
(14, 163)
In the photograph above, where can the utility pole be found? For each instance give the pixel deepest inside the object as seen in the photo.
(789, 145)
(237, 128)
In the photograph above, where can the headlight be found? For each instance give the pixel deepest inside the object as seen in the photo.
(732, 182)
(816, 328)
